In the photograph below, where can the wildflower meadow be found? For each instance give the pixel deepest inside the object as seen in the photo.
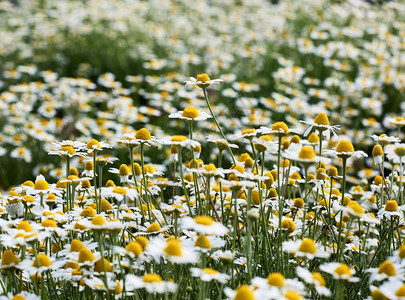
(174, 149)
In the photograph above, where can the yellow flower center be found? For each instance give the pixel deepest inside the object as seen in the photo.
(321, 174)
(68, 148)
(105, 205)
(173, 248)
(86, 255)
(400, 151)
(28, 183)
(42, 260)
(288, 224)
(92, 143)
(285, 163)
(8, 258)
(149, 278)
(321, 119)
(153, 227)
(120, 190)
(98, 266)
(143, 134)
(307, 152)
(204, 220)
(179, 138)
(295, 139)
(88, 212)
(318, 277)
(377, 151)
(345, 146)
(76, 246)
(401, 252)
(124, 170)
(248, 131)
(135, 248)
(280, 126)
(307, 246)
(299, 202)
(41, 185)
(143, 241)
(292, 295)
(98, 221)
(190, 112)
(244, 293)
(118, 288)
(210, 271)
(355, 206)
(48, 223)
(88, 166)
(18, 297)
(401, 291)
(391, 205)
(343, 269)
(332, 172)
(276, 279)
(203, 77)
(313, 138)
(387, 268)
(24, 225)
(79, 226)
(210, 168)
(203, 242)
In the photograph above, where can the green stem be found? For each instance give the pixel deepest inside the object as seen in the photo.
(216, 122)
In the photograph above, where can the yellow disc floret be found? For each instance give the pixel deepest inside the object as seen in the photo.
(307, 246)
(321, 119)
(143, 134)
(204, 220)
(203, 78)
(276, 279)
(190, 112)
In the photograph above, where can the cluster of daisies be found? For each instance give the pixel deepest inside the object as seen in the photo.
(279, 221)
(308, 59)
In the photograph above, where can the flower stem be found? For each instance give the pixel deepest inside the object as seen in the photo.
(216, 122)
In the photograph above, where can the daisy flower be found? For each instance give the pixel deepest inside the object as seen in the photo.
(339, 271)
(245, 292)
(393, 289)
(152, 282)
(95, 145)
(391, 209)
(204, 225)
(141, 136)
(173, 250)
(40, 263)
(178, 140)
(384, 140)
(345, 150)
(9, 260)
(68, 148)
(395, 153)
(221, 144)
(321, 125)
(190, 114)
(23, 295)
(203, 81)
(305, 248)
(316, 279)
(278, 128)
(114, 286)
(208, 274)
(248, 134)
(386, 270)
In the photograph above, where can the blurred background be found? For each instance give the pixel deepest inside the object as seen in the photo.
(99, 69)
